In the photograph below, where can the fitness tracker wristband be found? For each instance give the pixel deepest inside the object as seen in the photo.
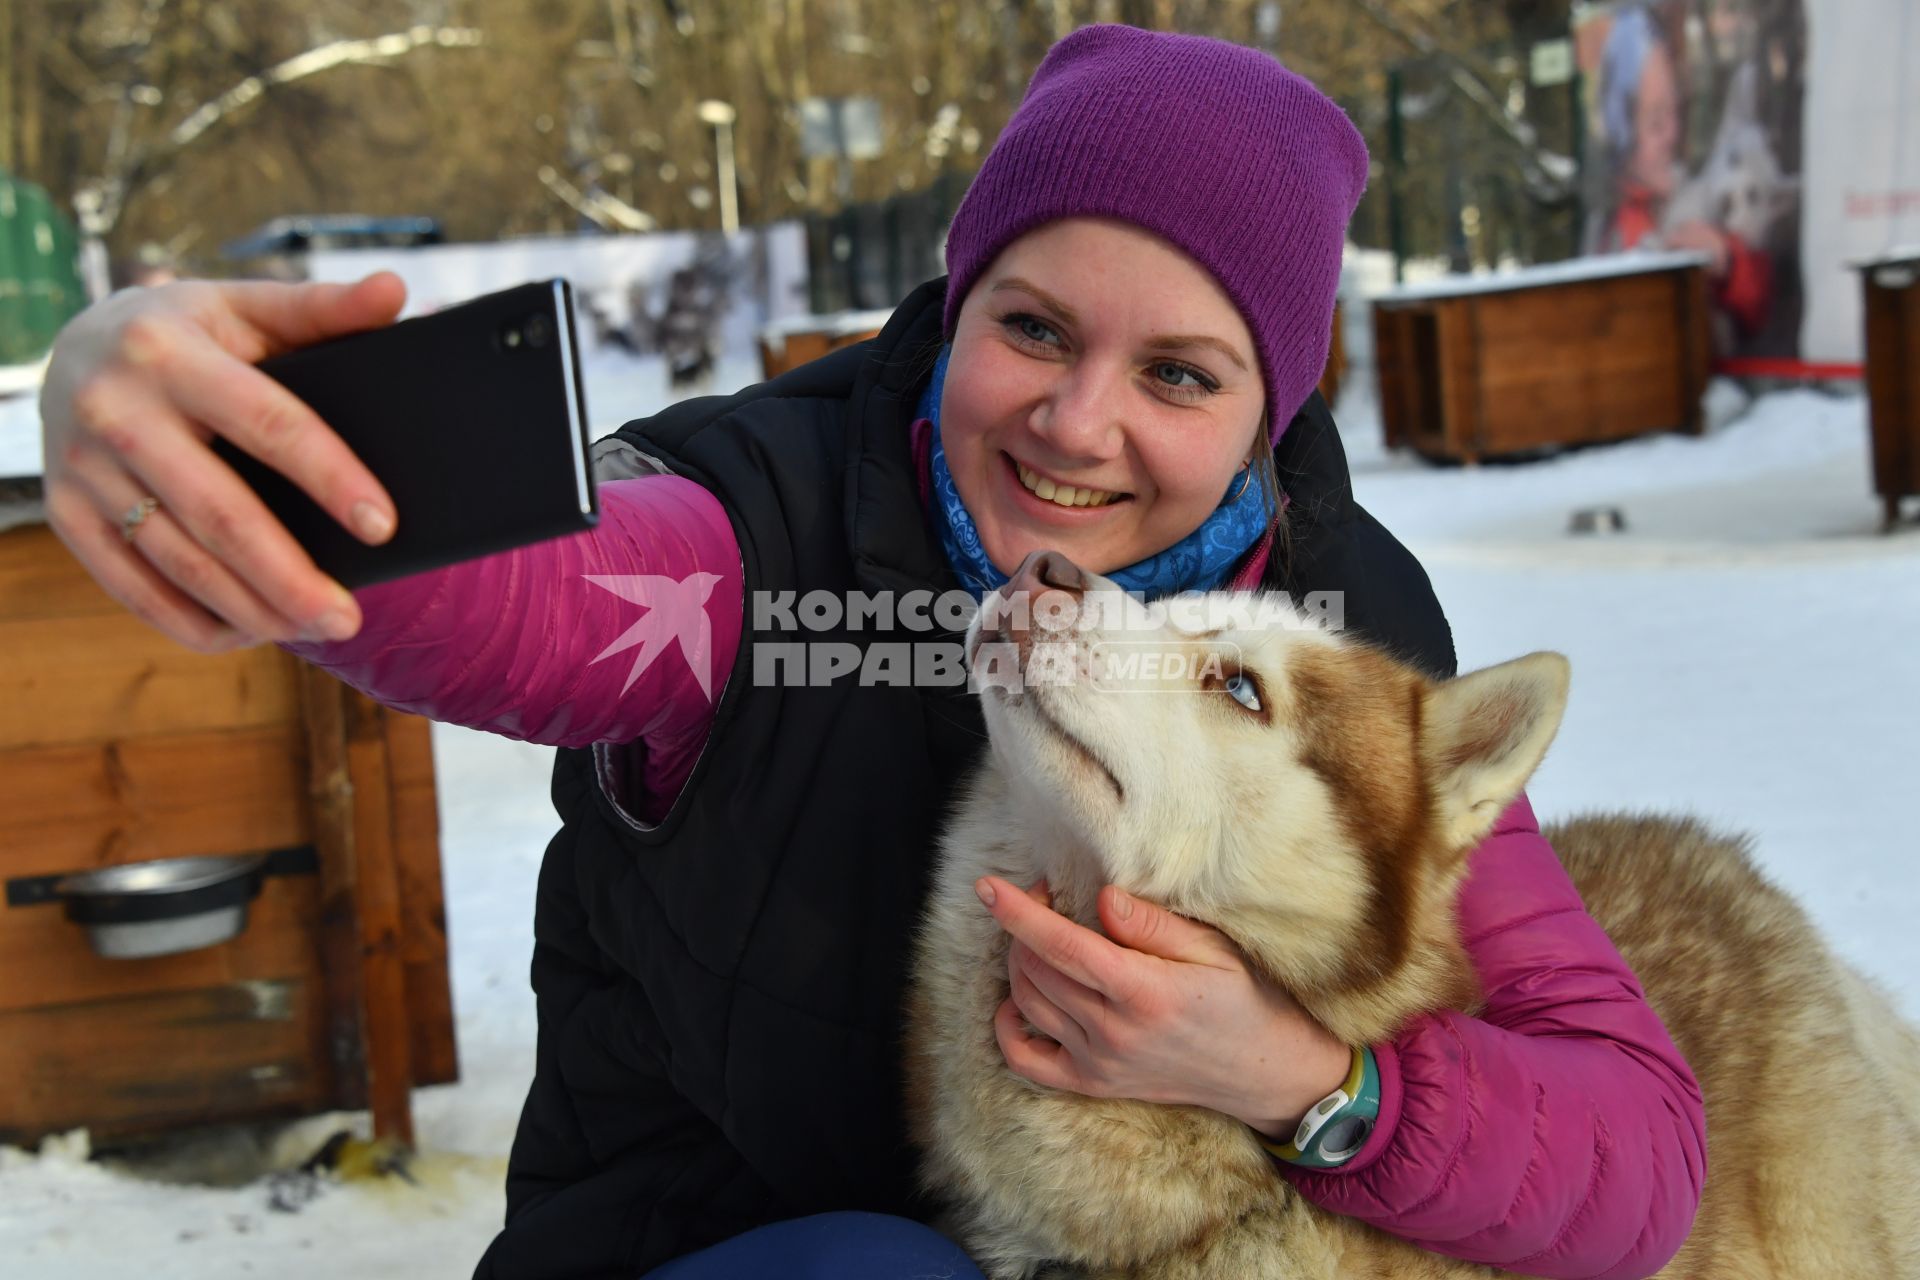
(1340, 1123)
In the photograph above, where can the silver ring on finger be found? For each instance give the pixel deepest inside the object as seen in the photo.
(139, 511)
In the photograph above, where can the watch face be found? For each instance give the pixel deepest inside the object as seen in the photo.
(1344, 1136)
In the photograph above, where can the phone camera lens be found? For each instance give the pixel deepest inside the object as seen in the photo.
(539, 330)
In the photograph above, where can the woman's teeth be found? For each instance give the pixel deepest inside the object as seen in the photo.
(1063, 495)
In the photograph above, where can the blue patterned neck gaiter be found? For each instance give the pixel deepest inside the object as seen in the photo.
(1201, 561)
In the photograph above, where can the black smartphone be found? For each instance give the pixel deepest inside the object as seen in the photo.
(473, 417)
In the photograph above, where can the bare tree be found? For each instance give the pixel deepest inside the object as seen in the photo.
(127, 163)
(1550, 175)
(184, 122)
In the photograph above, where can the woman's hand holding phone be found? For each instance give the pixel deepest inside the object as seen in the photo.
(137, 386)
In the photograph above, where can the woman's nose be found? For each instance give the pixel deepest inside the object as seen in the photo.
(1082, 416)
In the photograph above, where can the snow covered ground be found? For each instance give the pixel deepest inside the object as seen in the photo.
(1746, 650)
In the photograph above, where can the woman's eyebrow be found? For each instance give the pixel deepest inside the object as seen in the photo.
(1179, 341)
(1053, 304)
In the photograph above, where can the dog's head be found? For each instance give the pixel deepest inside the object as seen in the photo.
(1232, 757)
(1744, 182)
(1750, 192)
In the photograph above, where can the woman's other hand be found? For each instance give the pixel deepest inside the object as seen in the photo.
(1162, 1009)
(137, 386)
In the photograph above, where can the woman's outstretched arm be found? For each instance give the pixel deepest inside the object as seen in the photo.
(623, 632)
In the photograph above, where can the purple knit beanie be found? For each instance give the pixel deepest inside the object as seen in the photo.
(1216, 147)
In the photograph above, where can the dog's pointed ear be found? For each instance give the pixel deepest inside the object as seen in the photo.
(1484, 734)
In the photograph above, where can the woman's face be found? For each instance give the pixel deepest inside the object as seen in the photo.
(1656, 124)
(1102, 393)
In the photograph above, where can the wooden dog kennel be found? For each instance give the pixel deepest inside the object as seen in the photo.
(1568, 354)
(119, 746)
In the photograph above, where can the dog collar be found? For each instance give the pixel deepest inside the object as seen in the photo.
(1340, 1123)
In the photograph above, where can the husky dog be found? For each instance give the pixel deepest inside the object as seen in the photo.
(1236, 808)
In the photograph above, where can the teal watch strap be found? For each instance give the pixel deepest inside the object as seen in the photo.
(1340, 1123)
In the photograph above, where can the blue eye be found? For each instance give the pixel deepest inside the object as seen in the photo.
(1242, 689)
(1032, 328)
(1181, 383)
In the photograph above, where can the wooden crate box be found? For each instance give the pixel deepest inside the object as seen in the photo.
(1892, 287)
(118, 745)
(1569, 354)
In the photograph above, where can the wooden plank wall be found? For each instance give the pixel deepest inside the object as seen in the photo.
(415, 809)
(117, 745)
(1394, 370)
(1461, 396)
(1693, 323)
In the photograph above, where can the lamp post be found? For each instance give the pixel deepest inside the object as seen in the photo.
(721, 116)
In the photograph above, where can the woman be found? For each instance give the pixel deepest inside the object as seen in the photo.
(1138, 306)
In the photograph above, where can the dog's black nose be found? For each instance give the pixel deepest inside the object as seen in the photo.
(1048, 570)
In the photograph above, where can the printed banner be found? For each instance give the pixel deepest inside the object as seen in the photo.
(1694, 115)
(1779, 137)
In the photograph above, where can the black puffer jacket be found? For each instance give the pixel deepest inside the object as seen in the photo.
(720, 997)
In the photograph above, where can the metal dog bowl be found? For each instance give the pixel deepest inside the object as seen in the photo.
(1597, 520)
(158, 908)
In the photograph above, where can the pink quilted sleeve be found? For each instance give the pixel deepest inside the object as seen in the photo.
(625, 632)
(1559, 1134)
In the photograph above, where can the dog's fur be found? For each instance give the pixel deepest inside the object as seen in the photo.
(1326, 835)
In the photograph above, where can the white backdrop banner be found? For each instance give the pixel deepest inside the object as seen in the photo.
(1862, 158)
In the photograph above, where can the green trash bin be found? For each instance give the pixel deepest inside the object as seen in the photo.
(40, 287)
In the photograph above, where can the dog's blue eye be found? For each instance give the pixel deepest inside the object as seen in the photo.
(1242, 688)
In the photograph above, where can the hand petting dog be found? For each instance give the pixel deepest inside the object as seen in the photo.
(1161, 1009)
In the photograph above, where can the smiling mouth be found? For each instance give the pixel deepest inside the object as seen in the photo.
(1061, 495)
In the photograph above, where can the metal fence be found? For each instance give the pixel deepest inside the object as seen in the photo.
(870, 256)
